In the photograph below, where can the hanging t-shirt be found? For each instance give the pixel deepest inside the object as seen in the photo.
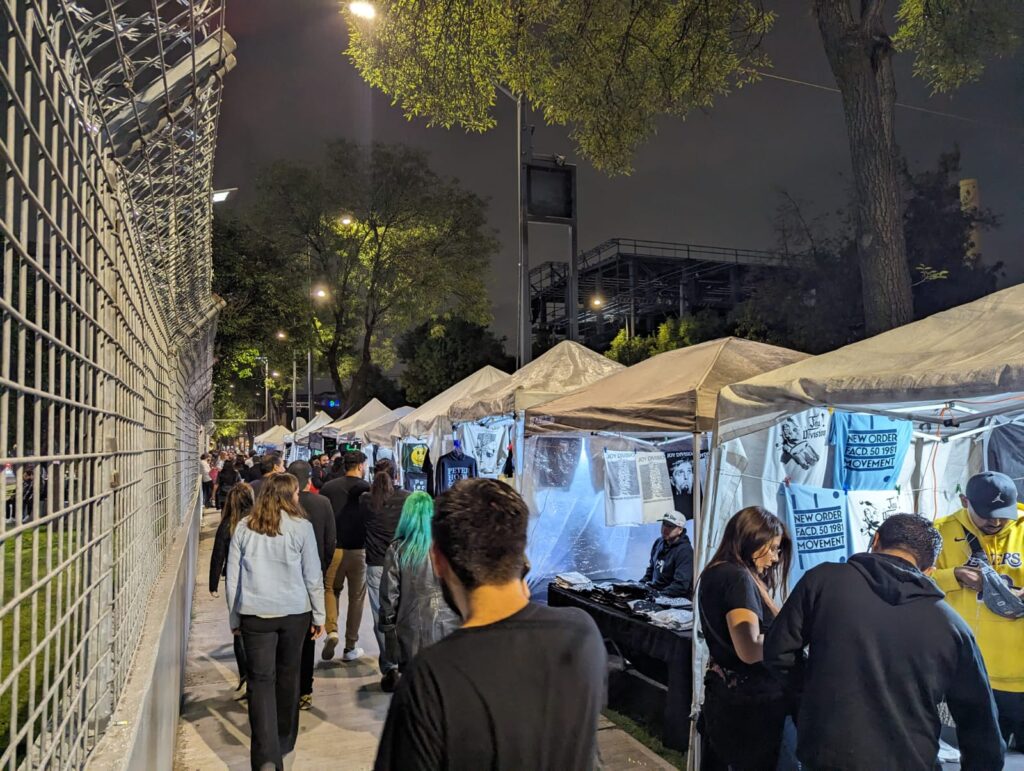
(683, 472)
(655, 485)
(797, 449)
(416, 467)
(1005, 453)
(555, 459)
(870, 508)
(869, 450)
(488, 444)
(416, 482)
(452, 468)
(623, 500)
(818, 523)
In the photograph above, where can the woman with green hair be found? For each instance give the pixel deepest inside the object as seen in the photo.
(413, 611)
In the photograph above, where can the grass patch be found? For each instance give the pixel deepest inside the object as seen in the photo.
(643, 734)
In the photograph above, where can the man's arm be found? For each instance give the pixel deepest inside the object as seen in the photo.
(413, 737)
(785, 641)
(973, 709)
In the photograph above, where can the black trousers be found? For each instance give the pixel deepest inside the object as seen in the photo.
(1011, 716)
(207, 492)
(239, 656)
(306, 667)
(273, 649)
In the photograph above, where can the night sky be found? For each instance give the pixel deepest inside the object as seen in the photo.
(712, 179)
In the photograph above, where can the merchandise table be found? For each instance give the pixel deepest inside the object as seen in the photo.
(641, 641)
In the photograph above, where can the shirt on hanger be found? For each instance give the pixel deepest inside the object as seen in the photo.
(818, 522)
(451, 468)
(797, 449)
(488, 444)
(869, 450)
(870, 508)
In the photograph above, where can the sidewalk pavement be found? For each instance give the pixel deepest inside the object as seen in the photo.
(342, 728)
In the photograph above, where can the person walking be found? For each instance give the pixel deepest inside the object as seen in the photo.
(986, 537)
(413, 610)
(884, 651)
(276, 598)
(520, 685)
(237, 506)
(348, 564)
(207, 480)
(270, 465)
(381, 510)
(226, 481)
(745, 707)
(319, 513)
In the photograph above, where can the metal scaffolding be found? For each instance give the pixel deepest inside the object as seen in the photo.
(107, 137)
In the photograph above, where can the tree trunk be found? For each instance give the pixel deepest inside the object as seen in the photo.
(358, 391)
(860, 54)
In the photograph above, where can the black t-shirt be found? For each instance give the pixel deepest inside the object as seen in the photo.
(723, 588)
(344, 495)
(321, 516)
(524, 693)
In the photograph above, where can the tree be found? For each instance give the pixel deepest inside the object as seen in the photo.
(609, 69)
(385, 240)
(671, 334)
(814, 306)
(439, 354)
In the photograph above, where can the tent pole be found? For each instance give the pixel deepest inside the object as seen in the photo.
(693, 756)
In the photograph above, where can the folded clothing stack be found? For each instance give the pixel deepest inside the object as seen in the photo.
(574, 582)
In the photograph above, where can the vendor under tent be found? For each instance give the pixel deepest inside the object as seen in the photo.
(341, 427)
(272, 439)
(912, 412)
(662, 405)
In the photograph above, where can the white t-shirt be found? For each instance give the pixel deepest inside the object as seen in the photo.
(204, 468)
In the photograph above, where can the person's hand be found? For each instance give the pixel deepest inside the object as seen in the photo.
(214, 594)
(316, 631)
(236, 632)
(969, 578)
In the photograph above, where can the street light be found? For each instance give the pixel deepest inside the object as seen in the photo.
(346, 219)
(275, 373)
(320, 293)
(362, 9)
(220, 196)
(597, 302)
(281, 335)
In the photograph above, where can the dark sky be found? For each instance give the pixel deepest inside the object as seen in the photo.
(712, 179)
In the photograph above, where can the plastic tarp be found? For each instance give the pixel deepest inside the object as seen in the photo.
(273, 437)
(431, 418)
(372, 410)
(669, 393)
(564, 489)
(378, 431)
(319, 420)
(565, 368)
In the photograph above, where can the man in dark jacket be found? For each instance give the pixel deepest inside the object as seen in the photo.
(320, 514)
(885, 651)
(671, 570)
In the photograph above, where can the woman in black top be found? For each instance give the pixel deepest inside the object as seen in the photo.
(745, 707)
(226, 481)
(237, 506)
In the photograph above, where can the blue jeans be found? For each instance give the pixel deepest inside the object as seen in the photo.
(373, 576)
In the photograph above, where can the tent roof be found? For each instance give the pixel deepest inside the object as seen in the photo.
(432, 416)
(372, 410)
(319, 420)
(273, 435)
(974, 350)
(671, 392)
(565, 368)
(379, 431)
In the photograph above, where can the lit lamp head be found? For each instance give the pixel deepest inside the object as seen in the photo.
(363, 9)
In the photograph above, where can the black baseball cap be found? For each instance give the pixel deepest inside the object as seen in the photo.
(992, 495)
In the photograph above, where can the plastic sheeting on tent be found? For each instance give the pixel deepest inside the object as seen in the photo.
(431, 418)
(565, 368)
(319, 420)
(378, 430)
(273, 437)
(372, 410)
(672, 392)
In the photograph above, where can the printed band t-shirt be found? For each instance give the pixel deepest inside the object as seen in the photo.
(869, 450)
(488, 444)
(870, 508)
(797, 449)
(818, 523)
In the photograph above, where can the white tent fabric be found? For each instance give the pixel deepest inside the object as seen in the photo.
(672, 392)
(378, 431)
(974, 350)
(565, 368)
(272, 437)
(431, 418)
(372, 410)
(319, 420)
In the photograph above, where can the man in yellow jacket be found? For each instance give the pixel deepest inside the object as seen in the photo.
(988, 530)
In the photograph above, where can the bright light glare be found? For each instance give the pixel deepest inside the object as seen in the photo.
(346, 220)
(321, 293)
(362, 9)
(220, 196)
(597, 302)
(275, 373)
(281, 335)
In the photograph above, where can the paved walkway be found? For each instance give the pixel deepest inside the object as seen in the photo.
(342, 729)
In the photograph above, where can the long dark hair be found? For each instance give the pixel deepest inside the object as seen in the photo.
(228, 476)
(238, 504)
(384, 476)
(745, 534)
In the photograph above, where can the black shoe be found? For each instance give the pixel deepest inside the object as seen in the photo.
(390, 681)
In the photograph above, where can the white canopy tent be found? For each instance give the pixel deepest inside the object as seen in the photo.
(272, 437)
(319, 420)
(340, 428)
(952, 375)
(431, 418)
(378, 431)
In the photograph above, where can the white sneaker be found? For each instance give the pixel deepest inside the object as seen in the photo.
(352, 654)
(329, 645)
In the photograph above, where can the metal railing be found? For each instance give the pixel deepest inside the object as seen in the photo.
(107, 131)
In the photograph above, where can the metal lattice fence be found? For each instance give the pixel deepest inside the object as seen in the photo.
(107, 131)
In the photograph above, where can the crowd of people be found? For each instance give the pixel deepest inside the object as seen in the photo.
(860, 662)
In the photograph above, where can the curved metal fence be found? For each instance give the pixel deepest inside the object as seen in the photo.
(108, 118)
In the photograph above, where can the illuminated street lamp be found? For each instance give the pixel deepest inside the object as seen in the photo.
(597, 302)
(363, 10)
(320, 293)
(275, 373)
(281, 335)
(346, 219)
(220, 196)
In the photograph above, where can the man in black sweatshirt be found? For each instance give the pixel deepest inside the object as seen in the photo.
(670, 572)
(885, 651)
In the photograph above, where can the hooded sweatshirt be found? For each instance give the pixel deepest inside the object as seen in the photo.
(885, 650)
(1001, 639)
